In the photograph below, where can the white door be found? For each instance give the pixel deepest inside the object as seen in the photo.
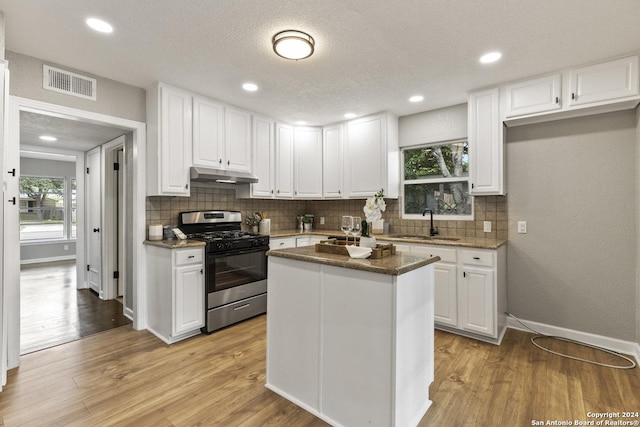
(533, 96)
(263, 160)
(445, 294)
(332, 161)
(307, 150)
(94, 220)
(175, 140)
(238, 140)
(208, 133)
(476, 301)
(601, 82)
(485, 144)
(284, 160)
(121, 224)
(365, 157)
(188, 299)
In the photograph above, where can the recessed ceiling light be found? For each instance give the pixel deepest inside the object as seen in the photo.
(350, 115)
(99, 25)
(48, 138)
(416, 98)
(490, 57)
(293, 44)
(250, 87)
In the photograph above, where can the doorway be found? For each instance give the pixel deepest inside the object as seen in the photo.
(135, 249)
(56, 304)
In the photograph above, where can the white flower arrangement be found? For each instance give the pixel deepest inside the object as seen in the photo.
(374, 207)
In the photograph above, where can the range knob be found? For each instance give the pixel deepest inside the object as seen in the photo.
(227, 245)
(219, 246)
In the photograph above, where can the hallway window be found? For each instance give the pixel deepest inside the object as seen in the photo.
(42, 208)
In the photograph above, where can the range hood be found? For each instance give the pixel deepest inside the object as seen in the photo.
(200, 174)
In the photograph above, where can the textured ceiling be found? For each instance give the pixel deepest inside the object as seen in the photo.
(71, 134)
(371, 55)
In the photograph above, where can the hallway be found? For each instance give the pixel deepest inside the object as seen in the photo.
(53, 311)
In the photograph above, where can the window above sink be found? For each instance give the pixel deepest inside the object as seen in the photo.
(436, 177)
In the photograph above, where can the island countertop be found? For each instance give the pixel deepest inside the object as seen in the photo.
(463, 242)
(395, 265)
(175, 243)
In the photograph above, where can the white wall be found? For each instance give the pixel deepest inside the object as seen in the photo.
(574, 182)
(445, 124)
(30, 252)
(113, 98)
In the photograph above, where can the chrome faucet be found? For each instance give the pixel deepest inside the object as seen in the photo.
(432, 231)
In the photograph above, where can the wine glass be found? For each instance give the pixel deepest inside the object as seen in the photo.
(357, 228)
(346, 225)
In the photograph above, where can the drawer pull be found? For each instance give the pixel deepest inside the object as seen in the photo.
(191, 256)
(477, 258)
(241, 307)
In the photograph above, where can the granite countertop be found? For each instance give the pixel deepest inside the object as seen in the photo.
(395, 265)
(464, 242)
(175, 243)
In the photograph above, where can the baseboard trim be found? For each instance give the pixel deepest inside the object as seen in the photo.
(613, 344)
(128, 313)
(50, 259)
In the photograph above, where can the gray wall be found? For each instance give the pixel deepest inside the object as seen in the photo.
(574, 182)
(53, 168)
(445, 124)
(113, 98)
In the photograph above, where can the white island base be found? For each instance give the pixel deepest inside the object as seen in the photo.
(352, 347)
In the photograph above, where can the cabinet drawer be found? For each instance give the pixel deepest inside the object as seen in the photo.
(446, 255)
(189, 256)
(478, 258)
(282, 243)
(237, 311)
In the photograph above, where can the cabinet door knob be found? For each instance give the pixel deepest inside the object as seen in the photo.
(228, 162)
(201, 271)
(339, 192)
(295, 193)
(96, 230)
(186, 186)
(573, 96)
(278, 191)
(557, 100)
(220, 161)
(12, 200)
(12, 172)
(271, 191)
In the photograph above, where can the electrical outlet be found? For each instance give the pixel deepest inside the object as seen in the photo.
(321, 220)
(522, 227)
(487, 226)
(65, 247)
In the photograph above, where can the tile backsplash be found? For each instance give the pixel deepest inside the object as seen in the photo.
(165, 210)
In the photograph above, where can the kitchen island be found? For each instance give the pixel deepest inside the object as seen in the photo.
(351, 340)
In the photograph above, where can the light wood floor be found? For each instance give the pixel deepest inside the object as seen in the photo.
(127, 377)
(53, 311)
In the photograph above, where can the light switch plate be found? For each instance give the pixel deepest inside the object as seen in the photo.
(522, 227)
(321, 220)
(487, 226)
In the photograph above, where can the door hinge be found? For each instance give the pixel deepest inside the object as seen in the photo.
(87, 170)
(116, 166)
(88, 268)
(116, 274)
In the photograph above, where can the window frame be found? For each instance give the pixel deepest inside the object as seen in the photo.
(66, 223)
(404, 181)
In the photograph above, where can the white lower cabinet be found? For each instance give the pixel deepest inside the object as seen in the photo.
(176, 293)
(470, 290)
(295, 241)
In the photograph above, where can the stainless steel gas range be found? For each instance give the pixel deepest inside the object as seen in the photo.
(236, 266)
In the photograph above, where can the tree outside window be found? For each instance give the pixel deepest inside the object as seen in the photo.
(42, 208)
(436, 177)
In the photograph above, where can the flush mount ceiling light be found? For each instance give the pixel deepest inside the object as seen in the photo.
(48, 138)
(250, 87)
(99, 25)
(293, 44)
(490, 57)
(349, 115)
(416, 98)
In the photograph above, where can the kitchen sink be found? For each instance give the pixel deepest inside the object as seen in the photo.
(450, 239)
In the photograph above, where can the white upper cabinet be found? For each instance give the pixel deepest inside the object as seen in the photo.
(208, 133)
(332, 146)
(169, 140)
(486, 148)
(307, 149)
(371, 160)
(604, 81)
(533, 96)
(263, 157)
(238, 140)
(284, 160)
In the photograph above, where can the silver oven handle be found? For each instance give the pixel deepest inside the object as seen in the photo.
(241, 307)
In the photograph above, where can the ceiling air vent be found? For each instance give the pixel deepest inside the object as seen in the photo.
(67, 82)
